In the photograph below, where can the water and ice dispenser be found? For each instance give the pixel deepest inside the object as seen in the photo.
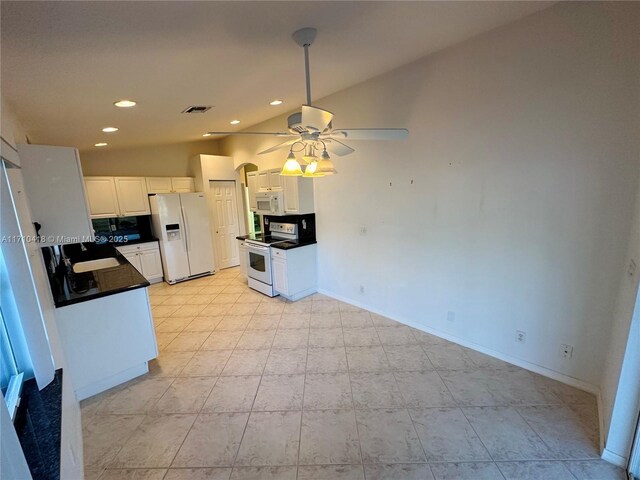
(173, 232)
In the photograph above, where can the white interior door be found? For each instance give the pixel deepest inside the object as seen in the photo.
(224, 212)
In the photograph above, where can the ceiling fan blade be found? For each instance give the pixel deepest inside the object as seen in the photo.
(339, 148)
(277, 134)
(278, 146)
(370, 133)
(315, 119)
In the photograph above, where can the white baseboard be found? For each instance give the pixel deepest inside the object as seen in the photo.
(110, 382)
(574, 382)
(609, 456)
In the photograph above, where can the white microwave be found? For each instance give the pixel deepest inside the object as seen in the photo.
(270, 203)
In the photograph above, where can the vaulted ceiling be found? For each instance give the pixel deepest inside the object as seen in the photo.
(65, 63)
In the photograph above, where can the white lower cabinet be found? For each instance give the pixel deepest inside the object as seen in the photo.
(151, 263)
(134, 259)
(145, 257)
(294, 271)
(242, 252)
(107, 341)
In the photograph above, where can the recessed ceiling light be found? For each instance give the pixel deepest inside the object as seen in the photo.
(125, 103)
(206, 134)
(109, 129)
(275, 103)
(234, 122)
(101, 144)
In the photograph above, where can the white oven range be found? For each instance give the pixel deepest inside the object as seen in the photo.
(259, 256)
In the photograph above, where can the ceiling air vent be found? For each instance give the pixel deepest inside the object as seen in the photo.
(196, 109)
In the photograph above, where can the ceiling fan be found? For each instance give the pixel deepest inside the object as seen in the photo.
(312, 128)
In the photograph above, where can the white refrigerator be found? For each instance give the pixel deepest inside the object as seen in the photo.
(181, 223)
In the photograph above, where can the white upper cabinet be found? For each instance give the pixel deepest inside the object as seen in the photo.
(269, 180)
(182, 184)
(102, 197)
(117, 196)
(252, 186)
(298, 191)
(291, 203)
(298, 195)
(55, 192)
(158, 184)
(275, 179)
(132, 196)
(263, 181)
(170, 185)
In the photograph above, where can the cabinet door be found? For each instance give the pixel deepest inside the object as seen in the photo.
(291, 204)
(134, 259)
(275, 179)
(132, 196)
(151, 263)
(263, 181)
(158, 184)
(102, 197)
(55, 190)
(279, 272)
(242, 251)
(182, 184)
(252, 186)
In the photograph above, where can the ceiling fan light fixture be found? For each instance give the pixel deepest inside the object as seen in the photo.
(291, 167)
(325, 165)
(310, 156)
(310, 170)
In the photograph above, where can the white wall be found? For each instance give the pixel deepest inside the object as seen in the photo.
(170, 160)
(524, 165)
(620, 384)
(11, 129)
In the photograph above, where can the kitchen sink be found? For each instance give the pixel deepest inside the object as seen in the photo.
(99, 264)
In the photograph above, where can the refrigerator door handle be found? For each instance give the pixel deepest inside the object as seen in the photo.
(186, 228)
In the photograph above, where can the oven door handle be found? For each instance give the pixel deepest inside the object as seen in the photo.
(259, 248)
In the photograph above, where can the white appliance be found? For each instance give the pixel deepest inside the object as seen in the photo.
(259, 256)
(181, 223)
(270, 203)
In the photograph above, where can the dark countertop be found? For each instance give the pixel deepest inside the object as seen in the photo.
(68, 289)
(289, 244)
(252, 236)
(39, 427)
(276, 243)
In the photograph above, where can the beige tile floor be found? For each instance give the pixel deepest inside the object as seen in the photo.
(248, 387)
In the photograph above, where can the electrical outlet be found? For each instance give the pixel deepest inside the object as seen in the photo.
(362, 289)
(451, 316)
(566, 351)
(521, 337)
(363, 230)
